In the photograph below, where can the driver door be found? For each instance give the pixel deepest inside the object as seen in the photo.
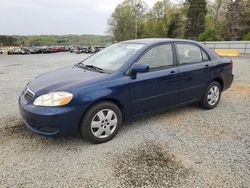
(158, 88)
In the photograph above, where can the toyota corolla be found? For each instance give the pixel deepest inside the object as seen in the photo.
(122, 82)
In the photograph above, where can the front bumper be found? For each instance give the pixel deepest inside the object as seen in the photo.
(51, 121)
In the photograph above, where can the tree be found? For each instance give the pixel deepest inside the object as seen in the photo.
(245, 22)
(121, 24)
(176, 25)
(195, 23)
(227, 18)
(209, 35)
(217, 10)
(138, 7)
(156, 21)
(234, 27)
(148, 26)
(8, 40)
(158, 16)
(246, 36)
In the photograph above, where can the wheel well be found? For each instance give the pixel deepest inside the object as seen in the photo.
(220, 81)
(116, 102)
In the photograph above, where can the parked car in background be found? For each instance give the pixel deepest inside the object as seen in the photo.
(63, 49)
(35, 50)
(25, 50)
(38, 50)
(14, 51)
(18, 51)
(99, 48)
(78, 49)
(81, 49)
(1, 51)
(53, 49)
(72, 49)
(45, 49)
(122, 82)
(91, 49)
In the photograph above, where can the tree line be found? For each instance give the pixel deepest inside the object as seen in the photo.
(63, 40)
(203, 20)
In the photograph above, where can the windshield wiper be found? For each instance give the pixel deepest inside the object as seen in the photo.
(80, 65)
(95, 68)
(89, 67)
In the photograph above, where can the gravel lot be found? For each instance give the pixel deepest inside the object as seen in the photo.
(184, 147)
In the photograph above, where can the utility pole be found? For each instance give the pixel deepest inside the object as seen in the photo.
(136, 26)
(139, 8)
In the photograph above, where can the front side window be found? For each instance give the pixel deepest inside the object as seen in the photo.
(158, 57)
(189, 53)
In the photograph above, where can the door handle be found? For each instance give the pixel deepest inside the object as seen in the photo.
(173, 74)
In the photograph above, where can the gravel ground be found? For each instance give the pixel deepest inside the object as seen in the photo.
(184, 147)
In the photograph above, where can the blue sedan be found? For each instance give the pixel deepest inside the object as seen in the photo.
(122, 82)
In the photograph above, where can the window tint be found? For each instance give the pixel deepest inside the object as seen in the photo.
(158, 57)
(189, 53)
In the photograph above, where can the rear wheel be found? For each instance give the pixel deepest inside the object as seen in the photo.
(211, 96)
(101, 122)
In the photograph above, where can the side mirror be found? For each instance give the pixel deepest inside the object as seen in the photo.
(140, 68)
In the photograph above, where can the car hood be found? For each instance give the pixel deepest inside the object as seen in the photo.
(63, 79)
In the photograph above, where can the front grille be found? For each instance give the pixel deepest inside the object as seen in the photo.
(28, 94)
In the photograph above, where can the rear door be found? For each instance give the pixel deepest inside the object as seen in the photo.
(159, 87)
(195, 71)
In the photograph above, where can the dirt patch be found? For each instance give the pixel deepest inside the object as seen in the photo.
(12, 129)
(174, 117)
(13, 126)
(150, 165)
(238, 90)
(10, 121)
(19, 130)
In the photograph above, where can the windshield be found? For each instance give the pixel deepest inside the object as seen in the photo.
(112, 58)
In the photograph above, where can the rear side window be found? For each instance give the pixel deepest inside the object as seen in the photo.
(159, 57)
(204, 56)
(189, 53)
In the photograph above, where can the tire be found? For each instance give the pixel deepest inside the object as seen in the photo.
(101, 122)
(211, 96)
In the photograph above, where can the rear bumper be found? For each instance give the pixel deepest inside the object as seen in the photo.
(51, 121)
(228, 82)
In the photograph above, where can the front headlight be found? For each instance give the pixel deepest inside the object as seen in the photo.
(54, 99)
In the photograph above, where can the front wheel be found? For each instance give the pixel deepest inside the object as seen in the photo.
(211, 96)
(101, 122)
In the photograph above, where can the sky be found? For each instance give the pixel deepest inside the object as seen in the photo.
(59, 17)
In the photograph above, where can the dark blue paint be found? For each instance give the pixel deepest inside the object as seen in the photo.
(135, 94)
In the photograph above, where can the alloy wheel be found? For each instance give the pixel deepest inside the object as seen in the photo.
(213, 95)
(104, 123)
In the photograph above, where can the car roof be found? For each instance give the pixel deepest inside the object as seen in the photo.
(149, 41)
